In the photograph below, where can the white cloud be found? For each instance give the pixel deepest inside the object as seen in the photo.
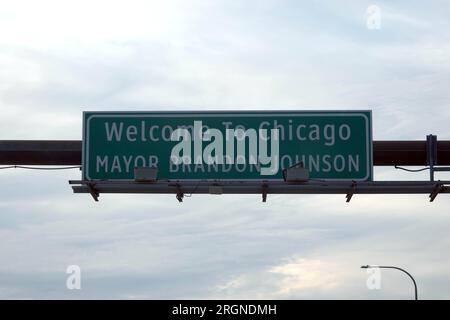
(301, 275)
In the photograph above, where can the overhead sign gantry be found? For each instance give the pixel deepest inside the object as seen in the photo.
(234, 152)
(216, 152)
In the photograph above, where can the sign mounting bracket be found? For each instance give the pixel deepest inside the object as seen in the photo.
(351, 192)
(180, 194)
(93, 191)
(437, 189)
(264, 192)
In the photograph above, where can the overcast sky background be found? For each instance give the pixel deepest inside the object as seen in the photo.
(59, 58)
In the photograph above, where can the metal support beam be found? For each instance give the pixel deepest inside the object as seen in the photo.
(264, 192)
(40, 152)
(68, 152)
(437, 189)
(351, 192)
(273, 187)
(432, 156)
(180, 194)
(408, 153)
(93, 191)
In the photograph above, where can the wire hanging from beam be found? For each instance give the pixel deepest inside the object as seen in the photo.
(40, 168)
(195, 189)
(412, 170)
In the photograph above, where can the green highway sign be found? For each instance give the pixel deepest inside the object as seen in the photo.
(227, 145)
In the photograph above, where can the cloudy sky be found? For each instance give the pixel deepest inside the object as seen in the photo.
(58, 58)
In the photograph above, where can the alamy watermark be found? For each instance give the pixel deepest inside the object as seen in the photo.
(373, 281)
(73, 281)
(373, 20)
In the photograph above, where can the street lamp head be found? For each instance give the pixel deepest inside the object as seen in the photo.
(392, 267)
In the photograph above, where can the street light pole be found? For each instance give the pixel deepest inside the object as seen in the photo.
(397, 268)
